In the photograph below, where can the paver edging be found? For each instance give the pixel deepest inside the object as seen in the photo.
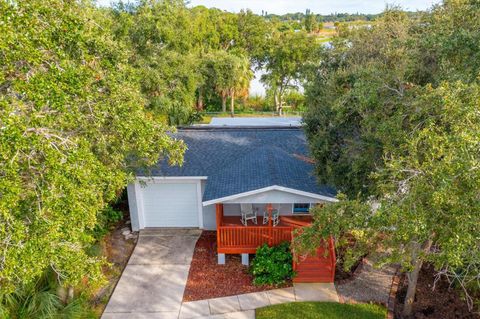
(393, 294)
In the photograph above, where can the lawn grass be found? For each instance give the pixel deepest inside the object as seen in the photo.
(322, 310)
(207, 117)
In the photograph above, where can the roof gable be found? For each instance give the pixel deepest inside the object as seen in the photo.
(272, 194)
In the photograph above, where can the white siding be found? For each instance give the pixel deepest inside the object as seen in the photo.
(234, 209)
(274, 197)
(209, 217)
(170, 204)
(133, 206)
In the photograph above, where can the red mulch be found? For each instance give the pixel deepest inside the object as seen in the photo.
(443, 302)
(207, 279)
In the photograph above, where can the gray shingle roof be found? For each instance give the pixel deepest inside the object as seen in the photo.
(238, 160)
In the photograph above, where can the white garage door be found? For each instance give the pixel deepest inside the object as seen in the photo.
(170, 205)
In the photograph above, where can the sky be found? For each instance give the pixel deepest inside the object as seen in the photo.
(316, 6)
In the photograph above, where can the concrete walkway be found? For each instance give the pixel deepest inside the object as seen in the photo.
(154, 279)
(153, 283)
(243, 306)
(371, 284)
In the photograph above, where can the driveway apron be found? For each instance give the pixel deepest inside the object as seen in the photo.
(154, 279)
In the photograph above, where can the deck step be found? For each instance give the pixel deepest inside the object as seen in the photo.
(326, 263)
(314, 272)
(314, 260)
(312, 279)
(314, 267)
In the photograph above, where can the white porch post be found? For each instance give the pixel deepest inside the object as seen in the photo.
(245, 259)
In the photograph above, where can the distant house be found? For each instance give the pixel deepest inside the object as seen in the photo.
(251, 184)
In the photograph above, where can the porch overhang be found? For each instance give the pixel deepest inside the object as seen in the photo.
(272, 194)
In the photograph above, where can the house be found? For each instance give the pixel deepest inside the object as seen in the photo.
(228, 168)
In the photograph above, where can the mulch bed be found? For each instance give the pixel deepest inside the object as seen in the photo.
(207, 279)
(443, 302)
(117, 251)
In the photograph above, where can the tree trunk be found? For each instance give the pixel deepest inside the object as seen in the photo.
(65, 294)
(232, 104)
(413, 279)
(224, 103)
(200, 99)
(280, 102)
(69, 294)
(275, 98)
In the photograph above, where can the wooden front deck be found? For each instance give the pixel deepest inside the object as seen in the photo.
(236, 222)
(246, 239)
(235, 238)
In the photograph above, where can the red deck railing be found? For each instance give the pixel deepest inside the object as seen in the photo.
(246, 240)
(240, 239)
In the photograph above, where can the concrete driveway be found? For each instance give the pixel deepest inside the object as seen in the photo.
(154, 279)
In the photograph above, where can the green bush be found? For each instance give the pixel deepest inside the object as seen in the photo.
(39, 300)
(272, 265)
(256, 103)
(105, 219)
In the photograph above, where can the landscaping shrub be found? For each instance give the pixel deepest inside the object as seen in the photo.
(105, 220)
(272, 265)
(39, 299)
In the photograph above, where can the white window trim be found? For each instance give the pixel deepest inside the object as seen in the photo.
(302, 213)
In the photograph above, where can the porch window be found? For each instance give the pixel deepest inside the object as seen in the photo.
(301, 208)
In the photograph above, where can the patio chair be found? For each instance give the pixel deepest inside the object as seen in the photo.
(275, 217)
(248, 213)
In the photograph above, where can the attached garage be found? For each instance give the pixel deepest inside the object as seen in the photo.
(166, 203)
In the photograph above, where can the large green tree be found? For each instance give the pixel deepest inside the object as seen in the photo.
(393, 122)
(243, 75)
(310, 22)
(228, 74)
(356, 100)
(72, 130)
(164, 53)
(285, 57)
(171, 44)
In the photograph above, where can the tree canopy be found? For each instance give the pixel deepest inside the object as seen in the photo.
(285, 60)
(87, 95)
(393, 123)
(171, 45)
(73, 129)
